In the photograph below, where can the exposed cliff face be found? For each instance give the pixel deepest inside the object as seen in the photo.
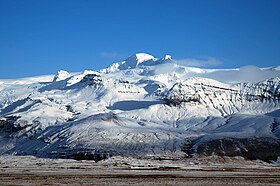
(227, 99)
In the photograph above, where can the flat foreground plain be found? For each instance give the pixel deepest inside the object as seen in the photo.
(28, 170)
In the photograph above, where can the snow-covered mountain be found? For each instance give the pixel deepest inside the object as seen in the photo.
(143, 106)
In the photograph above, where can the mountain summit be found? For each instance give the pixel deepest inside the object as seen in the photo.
(134, 61)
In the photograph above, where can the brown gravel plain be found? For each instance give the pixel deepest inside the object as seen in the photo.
(28, 170)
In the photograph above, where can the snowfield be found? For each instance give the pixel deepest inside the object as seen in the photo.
(143, 106)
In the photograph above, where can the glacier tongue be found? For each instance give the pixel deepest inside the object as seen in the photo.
(143, 105)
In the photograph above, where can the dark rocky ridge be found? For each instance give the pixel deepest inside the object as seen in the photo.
(262, 148)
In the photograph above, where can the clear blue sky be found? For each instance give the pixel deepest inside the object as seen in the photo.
(43, 36)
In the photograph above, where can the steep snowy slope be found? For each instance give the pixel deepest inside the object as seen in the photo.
(141, 106)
